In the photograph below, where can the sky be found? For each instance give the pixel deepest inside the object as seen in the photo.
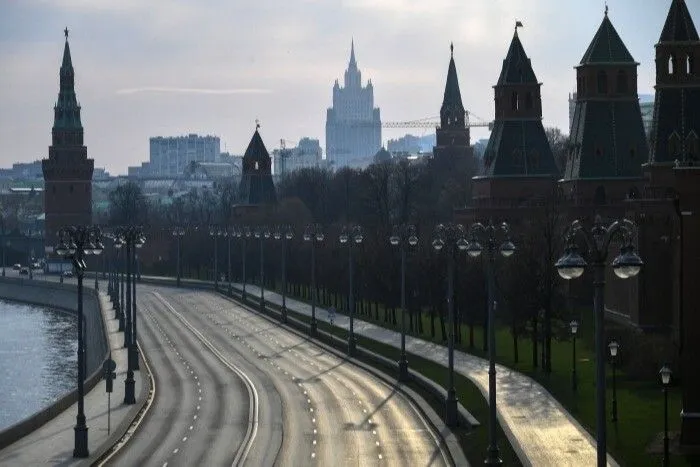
(171, 67)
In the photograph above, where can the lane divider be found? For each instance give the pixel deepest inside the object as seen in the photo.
(253, 412)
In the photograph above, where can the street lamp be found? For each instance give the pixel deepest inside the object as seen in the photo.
(178, 233)
(131, 237)
(571, 266)
(351, 234)
(285, 236)
(230, 233)
(313, 234)
(574, 330)
(613, 347)
(450, 236)
(244, 234)
(665, 374)
(76, 243)
(497, 239)
(262, 234)
(215, 232)
(403, 234)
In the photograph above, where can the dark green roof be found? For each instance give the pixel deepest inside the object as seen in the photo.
(679, 25)
(452, 97)
(67, 111)
(256, 149)
(675, 111)
(607, 140)
(607, 47)
(256, 185)
(519, 148)
(67, 63)
(516, 66)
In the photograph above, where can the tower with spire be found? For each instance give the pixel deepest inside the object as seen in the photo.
(452, 136)
(67, 170)
(518, 167)
(257, 187)
(608, 143)
(668, 211)
(353, 124)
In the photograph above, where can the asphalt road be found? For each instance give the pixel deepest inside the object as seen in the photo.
(232, 388)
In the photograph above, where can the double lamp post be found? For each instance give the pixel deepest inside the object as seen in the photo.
(75, 243)
(572, 265)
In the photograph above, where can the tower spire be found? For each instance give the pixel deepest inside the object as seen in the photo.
(353, 62)
(452, 110)
(67, 110)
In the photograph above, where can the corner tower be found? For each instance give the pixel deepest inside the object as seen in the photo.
(67, 170)
(452, 136)
(518, 163)
(608, 143)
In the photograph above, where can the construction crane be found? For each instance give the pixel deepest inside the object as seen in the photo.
(433, 122)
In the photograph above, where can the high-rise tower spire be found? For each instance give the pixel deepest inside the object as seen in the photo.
(353, 62)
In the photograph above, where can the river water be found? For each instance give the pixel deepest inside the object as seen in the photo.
(38, 359)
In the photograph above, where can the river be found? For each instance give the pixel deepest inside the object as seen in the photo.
(38, 359)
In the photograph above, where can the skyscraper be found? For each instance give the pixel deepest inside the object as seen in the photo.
(67, 170)
(353, 125)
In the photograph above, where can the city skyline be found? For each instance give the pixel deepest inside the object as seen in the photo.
(170, 68)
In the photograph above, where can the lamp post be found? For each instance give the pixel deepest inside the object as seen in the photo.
(613, 347)
(285, 237)
(178, 233)
(216, 232)
(351, 234)
(497, 239)
(243, 234)
(132, 238)
(76, 243)
(403, 234)
(574, 379)
(450, 236)
(571, 266)
(262, 234)
(313, 234)
(230, 232)
(665, 374)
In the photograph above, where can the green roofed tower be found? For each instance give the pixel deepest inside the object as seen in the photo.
(518, 163)
(67, 171)
(676, 124)
(608, 143)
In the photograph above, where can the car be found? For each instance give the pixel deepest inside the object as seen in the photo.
(24, 271)
(67, 273)
(17, 266)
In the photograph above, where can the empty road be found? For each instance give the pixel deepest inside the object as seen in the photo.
(233, 388)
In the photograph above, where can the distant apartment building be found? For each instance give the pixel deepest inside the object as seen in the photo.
(646, 104)
(306, 154)
(411, 144)
(353, 124)
(170, 156)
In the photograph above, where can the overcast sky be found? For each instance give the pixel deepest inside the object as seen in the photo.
(171, 67)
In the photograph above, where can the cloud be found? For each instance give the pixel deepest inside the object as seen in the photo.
(163, 89)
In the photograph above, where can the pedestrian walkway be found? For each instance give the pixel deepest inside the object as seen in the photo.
(53, 442)
(540, 430)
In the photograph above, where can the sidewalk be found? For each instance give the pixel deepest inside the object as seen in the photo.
(541, 431)
(52, 443)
